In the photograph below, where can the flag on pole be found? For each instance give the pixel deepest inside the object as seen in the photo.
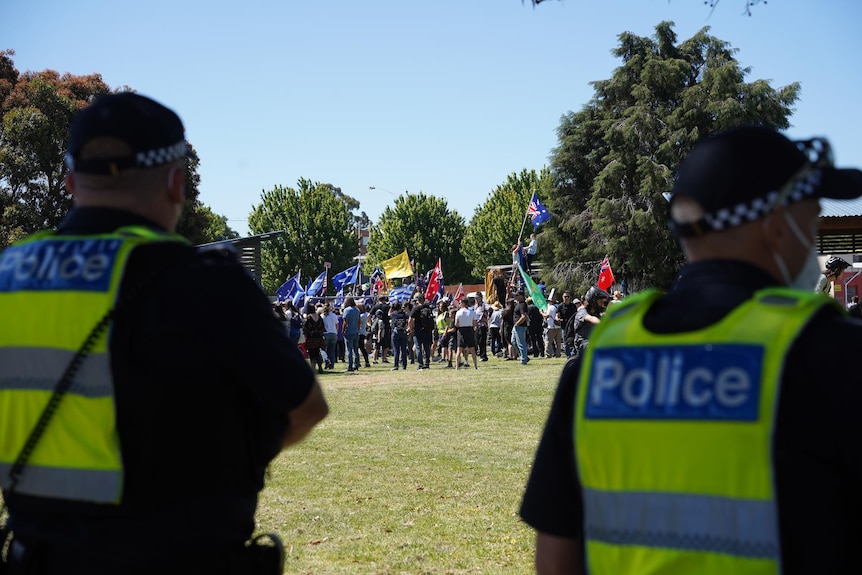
(606, 275)
(459, 293)
(397, 266)
(435, 282)
(376, 281)
(299, 297)
(535, 292)
(289, 288)
(347, 277)
(537, 211)
(317, 288)
(401, 293)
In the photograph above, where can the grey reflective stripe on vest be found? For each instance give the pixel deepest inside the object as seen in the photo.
(738, 527)
(39, 369)
(75, 484)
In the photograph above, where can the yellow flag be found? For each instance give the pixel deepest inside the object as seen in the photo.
(398, 266)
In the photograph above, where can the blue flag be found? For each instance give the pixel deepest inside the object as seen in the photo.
(317, 287)
(289, 288)
(401, 293)
(537, 211)
(299, 298)
(347, 277)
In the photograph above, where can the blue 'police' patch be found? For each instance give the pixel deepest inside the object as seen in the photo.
(707, 382)
(54, 265)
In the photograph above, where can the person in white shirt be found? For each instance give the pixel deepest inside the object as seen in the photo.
(532, 248)
(494, 325)
(330, 336)
(554, 332)
(465, 325)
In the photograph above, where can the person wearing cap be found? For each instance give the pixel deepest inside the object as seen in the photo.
(520, 322)
(153, 455)
(700, 432)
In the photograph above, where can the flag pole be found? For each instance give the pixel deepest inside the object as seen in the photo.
(523, 225)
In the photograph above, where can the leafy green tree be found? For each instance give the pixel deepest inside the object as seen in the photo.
(620, 153)
(217, 228)
(319, 227)
(36, 110)
(427, 229)
(497, 223)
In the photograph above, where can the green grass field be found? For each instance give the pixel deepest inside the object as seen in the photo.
(414, 472)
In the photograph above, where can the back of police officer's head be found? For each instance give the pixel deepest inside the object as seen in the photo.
(752, 194)
(127, 151)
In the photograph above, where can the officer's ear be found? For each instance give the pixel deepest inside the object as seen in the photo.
(773, 230)
(176, 185)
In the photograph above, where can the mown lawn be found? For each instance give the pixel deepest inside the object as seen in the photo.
(414, 472)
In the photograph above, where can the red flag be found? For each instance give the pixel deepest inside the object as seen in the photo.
(606, 276)
(459, 293)
(434, 282)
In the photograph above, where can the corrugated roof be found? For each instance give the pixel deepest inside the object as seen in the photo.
(840, 208)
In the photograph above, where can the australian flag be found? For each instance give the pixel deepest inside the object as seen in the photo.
(537, 211)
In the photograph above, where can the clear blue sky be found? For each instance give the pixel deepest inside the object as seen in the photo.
(445, 97)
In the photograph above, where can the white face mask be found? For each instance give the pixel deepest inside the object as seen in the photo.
(809, 274)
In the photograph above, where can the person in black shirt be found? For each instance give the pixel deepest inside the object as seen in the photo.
(536, 332)
(385, 333)
(421, 327)
(565, 312)
(520, 323)
(745, 208)
(200, 403)
(398, 320)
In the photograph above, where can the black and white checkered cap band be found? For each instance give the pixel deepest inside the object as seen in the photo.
(757, 208)
(161, 156)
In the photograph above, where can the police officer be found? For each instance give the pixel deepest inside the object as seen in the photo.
(699, 433)
(154, 457)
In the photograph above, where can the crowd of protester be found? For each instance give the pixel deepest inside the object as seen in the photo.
(454, 334)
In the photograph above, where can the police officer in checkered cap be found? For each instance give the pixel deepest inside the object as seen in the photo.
(699, 432)
(155, 454)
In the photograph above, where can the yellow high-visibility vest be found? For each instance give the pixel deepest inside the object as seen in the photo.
(673, 439)
(53, 291)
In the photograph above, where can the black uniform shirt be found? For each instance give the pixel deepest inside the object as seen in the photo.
(816, 453)
(204, 377)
